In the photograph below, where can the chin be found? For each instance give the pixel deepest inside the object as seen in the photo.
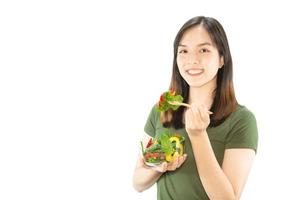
(193, 83)
(200, 83)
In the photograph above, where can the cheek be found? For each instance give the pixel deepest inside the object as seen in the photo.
(179, 61)
(212, 62)
(180, 64)
(212, 66)
(212, 70)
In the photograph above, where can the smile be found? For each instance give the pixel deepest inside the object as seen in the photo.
(195, 72)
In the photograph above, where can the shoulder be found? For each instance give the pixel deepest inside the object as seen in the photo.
(242, 115)
(242, 112)
(155, 111)
(154, 114)
(243, 132)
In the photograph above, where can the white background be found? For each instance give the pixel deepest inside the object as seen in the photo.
(78, 80)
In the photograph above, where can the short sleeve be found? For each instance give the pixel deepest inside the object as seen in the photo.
(151, 122)
(243, 132)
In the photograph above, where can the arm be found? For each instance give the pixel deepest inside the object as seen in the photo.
(236, 165)
(226, 182)
(220, 183)
(144, 177)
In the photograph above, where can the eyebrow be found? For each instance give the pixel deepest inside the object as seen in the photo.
(200, 44)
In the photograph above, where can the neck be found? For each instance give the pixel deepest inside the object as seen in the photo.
(203, 94)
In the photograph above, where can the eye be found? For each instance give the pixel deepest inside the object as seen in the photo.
(204, 50)
(182, 51)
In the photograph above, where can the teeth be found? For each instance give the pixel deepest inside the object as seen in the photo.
(195, 71)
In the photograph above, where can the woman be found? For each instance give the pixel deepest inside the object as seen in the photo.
(219, 147)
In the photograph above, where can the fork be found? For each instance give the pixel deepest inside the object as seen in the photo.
(176, 103)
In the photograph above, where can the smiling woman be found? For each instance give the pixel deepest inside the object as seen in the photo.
(219, 148)
(194, 58)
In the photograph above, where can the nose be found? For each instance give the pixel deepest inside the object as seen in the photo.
(192, 59)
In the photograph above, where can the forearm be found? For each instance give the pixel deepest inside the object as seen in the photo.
(215, 182)
(144, 177)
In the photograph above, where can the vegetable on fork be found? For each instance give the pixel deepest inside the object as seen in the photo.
(169, 100)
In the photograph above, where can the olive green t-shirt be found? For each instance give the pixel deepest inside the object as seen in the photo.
(239, 130)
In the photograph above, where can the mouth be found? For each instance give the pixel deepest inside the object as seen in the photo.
(194, 72)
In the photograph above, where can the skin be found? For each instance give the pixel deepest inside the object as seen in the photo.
(197, 51)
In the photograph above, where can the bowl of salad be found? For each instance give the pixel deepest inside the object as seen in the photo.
(163, 149)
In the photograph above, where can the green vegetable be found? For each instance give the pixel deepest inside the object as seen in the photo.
(163, 104)
(166, 145)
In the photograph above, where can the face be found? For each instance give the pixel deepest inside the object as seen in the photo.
(198, 59)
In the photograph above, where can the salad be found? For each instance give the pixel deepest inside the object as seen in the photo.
(164, 148)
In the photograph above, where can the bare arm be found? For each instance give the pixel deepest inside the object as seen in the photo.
(226, 182)
(144, 177)
(236, 165)
(220, 183)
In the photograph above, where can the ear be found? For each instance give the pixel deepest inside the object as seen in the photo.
(221, 61)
